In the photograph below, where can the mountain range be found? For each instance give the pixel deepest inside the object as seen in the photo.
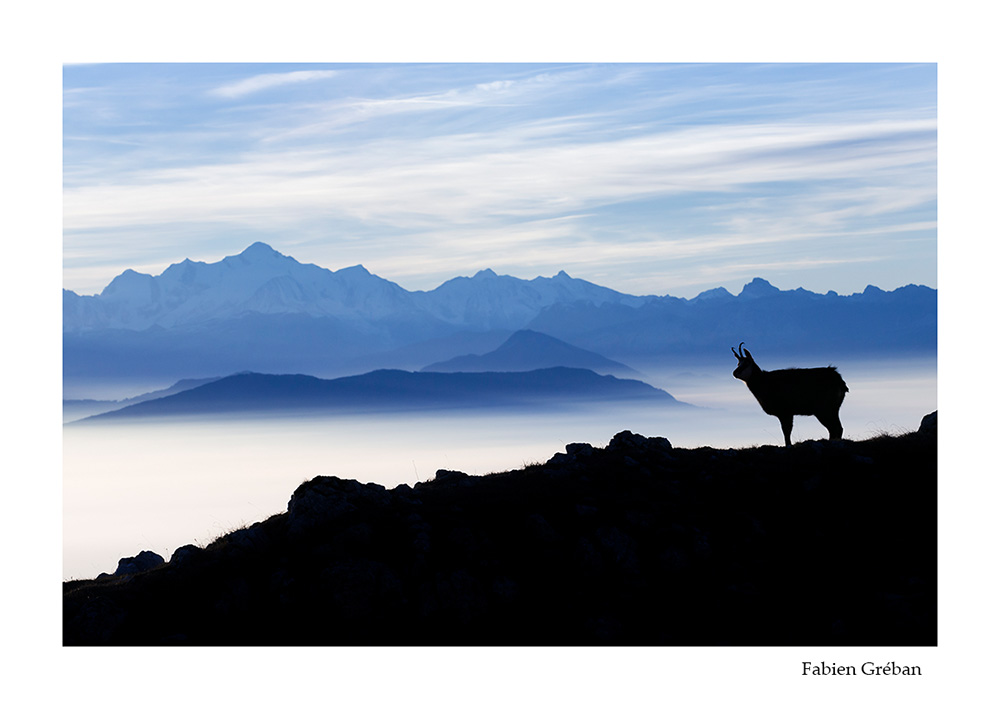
(266, 312)
(261, 281)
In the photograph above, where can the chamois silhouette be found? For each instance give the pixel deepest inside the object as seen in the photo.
(786, 393)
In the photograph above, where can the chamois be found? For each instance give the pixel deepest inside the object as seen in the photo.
(786, 393)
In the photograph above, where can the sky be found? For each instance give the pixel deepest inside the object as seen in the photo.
(649, 178)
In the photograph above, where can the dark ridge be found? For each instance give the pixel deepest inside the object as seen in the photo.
(637, 543)
(393, 390)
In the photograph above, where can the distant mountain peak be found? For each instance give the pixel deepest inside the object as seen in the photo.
(714, 294)
(528, 335)
(259, 247)
(357, 270)
(259, 251)
(757, 288)
(486, 273)
(527, 350)
(127, 282)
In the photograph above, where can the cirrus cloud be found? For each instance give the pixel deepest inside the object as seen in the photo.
(260, 82)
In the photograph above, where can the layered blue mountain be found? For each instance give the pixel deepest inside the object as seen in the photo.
(873, 323)
(263, 311)
(394, 390)
(74, 409)
(526, 350)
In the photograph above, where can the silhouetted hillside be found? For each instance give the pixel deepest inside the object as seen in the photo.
(393, 390)
(75, 409)
(635, 543)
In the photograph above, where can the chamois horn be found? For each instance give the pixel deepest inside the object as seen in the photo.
(740, 355)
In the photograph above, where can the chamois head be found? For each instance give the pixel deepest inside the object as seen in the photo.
(746, 367)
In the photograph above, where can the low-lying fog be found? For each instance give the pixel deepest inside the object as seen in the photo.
(158, 486)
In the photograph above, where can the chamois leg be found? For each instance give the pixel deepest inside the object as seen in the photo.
(786, 428)
(832, 423)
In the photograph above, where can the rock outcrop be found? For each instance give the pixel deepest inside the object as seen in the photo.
(143, 561)
(636, 543)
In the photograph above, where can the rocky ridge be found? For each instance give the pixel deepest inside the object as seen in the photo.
(635, 543)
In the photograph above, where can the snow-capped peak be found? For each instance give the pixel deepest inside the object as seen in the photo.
(258, 252)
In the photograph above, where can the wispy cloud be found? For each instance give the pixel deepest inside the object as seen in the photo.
(342, 112)
(431, 170)
(478, 178)
(261, 82)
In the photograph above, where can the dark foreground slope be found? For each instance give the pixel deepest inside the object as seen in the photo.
(635, 543)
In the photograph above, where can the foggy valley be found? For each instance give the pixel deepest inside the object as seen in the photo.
(159, 485)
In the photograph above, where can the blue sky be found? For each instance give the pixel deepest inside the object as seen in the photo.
(648, 178)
